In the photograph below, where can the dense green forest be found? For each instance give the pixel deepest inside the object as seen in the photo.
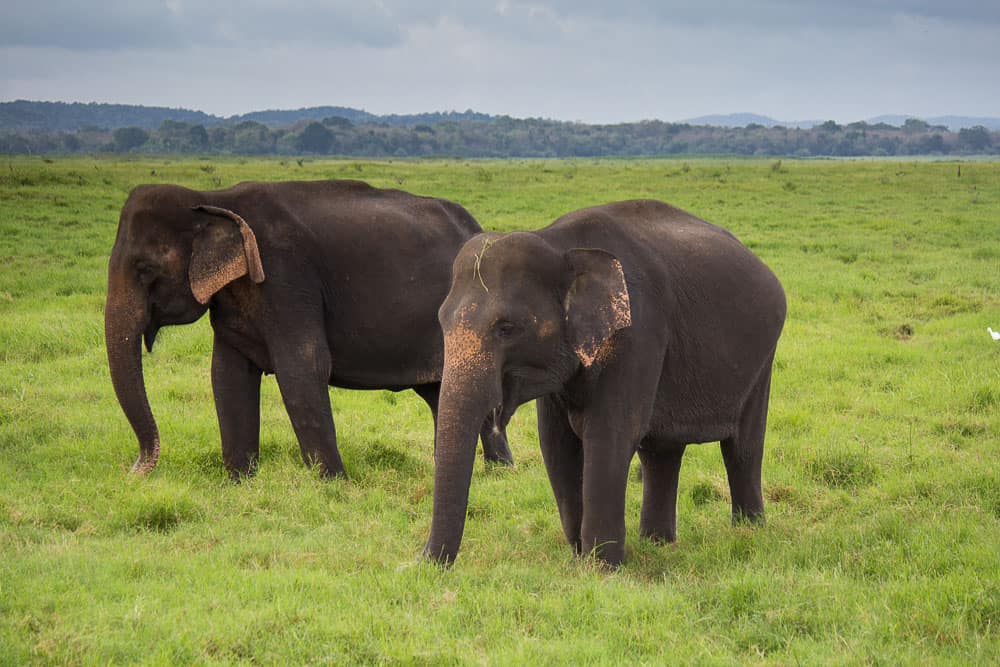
(33, 128)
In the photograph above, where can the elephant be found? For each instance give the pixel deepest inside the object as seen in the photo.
(318, 282)
(638, 327)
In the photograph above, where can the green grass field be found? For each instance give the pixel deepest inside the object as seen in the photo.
(881, 475)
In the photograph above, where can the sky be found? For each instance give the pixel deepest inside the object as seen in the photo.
(577, 60)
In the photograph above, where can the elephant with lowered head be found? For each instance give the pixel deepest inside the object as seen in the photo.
(639, 328)
(320, 283)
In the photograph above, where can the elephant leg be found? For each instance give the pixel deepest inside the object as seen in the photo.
(302, 369)
(743, 454)
(236, 387)
(605, 478)
(661, 466)
(613, 423)
(562, 452)
(494, 437)
(431, 393)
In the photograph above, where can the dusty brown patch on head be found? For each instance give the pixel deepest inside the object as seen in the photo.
(170, 259)
(548, 328)
(463, 351)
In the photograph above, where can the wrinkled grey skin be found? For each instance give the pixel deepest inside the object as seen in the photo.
(320, 283)
(639, 328)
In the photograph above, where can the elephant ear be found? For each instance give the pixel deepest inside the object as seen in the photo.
(597, 304)
(221, 253)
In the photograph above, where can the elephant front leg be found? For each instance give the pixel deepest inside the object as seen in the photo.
(236, 386)
(612, 423)
(605, 478)
(303, 374)
(562, 452)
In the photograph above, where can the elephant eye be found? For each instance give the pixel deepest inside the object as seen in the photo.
(506, 328)
(145, 273)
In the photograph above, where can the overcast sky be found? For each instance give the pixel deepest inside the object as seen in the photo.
(587, 60)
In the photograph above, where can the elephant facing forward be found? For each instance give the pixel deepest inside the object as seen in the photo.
(639, 328)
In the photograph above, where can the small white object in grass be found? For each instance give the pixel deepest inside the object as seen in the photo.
(995, 334)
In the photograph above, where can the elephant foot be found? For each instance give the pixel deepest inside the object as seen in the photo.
(503, 461)
(742, 517)
(328, 465)
(609, 554)
(146, 462)
(659, 536)
(238, 475)
(576, 546)
(240, 467)
(439, 556)
(332, 473)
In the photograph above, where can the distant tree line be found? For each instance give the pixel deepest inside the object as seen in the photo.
(501, 136)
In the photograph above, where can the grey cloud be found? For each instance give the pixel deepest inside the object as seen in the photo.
(336, 23)
(175, 24)
(80, 26)
(770, 14)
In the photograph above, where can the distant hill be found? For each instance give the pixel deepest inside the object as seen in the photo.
(744, 119)
(282, 118)
(23, 115)
(72, 116)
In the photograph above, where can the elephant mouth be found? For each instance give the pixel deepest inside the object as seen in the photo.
(497, 414)
(504, 410)
(149, 335)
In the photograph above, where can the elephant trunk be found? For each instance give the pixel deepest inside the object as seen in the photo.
(126, 318)
(467, 396)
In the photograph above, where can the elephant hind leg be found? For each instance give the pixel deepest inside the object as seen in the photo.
(661, 466)
(303, 372)
(743, 454)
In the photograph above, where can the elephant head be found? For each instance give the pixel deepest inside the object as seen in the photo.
(171, 254)
(521, 319)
